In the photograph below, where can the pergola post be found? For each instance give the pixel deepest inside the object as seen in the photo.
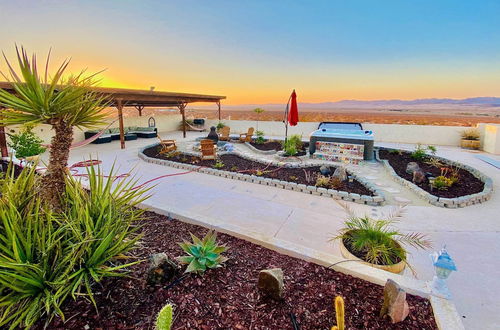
(139, 108)
(119, 106)
(218, 108)
(182, 108)
(3, 140)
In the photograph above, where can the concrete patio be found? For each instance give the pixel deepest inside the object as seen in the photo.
(471, 234)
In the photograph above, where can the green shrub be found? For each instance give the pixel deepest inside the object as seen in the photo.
(45, 257)
(220, 125)
(297, 140)
(202, 254)
(419, 153)
(165, 318)
(260, 137)
(322, 181)
(377, 240)
(442, 182)
(219, 164)
(290, 148)
(432, 149)
(26, 143)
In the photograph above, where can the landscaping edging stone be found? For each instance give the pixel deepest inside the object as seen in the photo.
(376, 200)
(264, 152)
(451, 203)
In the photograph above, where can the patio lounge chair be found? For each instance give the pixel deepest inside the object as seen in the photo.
(247, 137)
(224, 133)
(208, 149)
(167, 146)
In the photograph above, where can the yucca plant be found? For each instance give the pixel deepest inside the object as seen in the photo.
(46, 257)
(56, 100)
(377, 241)
(202, 254)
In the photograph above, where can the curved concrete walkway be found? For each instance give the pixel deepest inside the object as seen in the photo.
(471, 233)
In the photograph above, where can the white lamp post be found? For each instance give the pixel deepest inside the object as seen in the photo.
(443, 265)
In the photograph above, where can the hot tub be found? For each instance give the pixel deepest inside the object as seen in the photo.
(337, 140)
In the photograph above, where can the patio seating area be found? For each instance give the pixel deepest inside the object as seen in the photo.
(300, 224)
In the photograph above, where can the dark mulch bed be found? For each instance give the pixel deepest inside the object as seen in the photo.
(4, 165)
(234, 163)
(266, 146)
(227, 298)
(468, 184)
(276, 145)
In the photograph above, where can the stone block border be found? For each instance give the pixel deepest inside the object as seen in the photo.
(264, 152)
(451, 203)
(376, 200)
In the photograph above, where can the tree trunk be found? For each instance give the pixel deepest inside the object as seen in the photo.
(54, 180)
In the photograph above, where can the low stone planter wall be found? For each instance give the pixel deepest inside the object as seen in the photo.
(376, 200)
(263, 152)
(457, 202)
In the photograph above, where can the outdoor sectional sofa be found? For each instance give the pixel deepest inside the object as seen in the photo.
(131, 133)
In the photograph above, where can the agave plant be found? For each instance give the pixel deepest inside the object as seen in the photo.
(59, 101)
(376, 240)
(202, 254)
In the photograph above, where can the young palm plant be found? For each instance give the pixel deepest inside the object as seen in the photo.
(62, 102)
(376, 240)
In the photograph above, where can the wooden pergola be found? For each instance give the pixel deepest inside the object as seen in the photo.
(120, 97)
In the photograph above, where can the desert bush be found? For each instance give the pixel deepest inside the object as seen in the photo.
(46, 257)
(202, 254)
(26, 143)
(219, 164)
(471, 134)
(322, 181)
(419, 153)
(377, 240)
(220, 125)
(260, 137)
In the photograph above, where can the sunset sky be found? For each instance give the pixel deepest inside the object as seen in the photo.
(258, 51)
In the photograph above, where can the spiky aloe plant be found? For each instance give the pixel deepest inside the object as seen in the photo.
(202, 254)
(165, 318)
(377, 240)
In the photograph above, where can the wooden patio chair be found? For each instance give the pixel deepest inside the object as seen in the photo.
(166, 145)
(208, 149)
(247, 137)
(224, 133)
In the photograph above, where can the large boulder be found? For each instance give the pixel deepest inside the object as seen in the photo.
(412, 167)
(340, 173)
(270, 283)
(161, 269)
(395, 304)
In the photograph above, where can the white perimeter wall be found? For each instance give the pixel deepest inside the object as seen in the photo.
(424, 134)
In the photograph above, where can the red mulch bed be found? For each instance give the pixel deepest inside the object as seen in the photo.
(468, 184)
(227, 298)
(235, 163)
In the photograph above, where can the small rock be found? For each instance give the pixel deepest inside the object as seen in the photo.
(395, 304)
(340, 173)
(161, 269)
(325, 170)
(271, 282)
(412, 167)
(418, 176)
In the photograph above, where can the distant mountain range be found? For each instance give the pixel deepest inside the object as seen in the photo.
(473, 101)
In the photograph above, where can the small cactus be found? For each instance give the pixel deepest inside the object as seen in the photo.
(339, 313)
(164, 318)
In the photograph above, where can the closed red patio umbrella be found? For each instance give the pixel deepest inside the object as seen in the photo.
(293, 114)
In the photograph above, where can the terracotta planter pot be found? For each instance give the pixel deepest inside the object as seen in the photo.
(396, 268)
(470, 144)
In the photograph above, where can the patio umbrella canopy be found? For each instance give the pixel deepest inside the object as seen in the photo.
(293, 114)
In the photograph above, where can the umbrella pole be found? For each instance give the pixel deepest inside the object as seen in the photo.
(286, 117)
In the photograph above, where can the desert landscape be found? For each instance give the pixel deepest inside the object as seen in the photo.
(397, 113)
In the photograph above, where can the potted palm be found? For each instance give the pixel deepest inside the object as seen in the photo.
(26, 144)
(376, 242)
(470, 139)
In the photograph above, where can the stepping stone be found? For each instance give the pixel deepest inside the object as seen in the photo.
(381, 184)
(402, 200)
(391, 190)
(371, 177)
